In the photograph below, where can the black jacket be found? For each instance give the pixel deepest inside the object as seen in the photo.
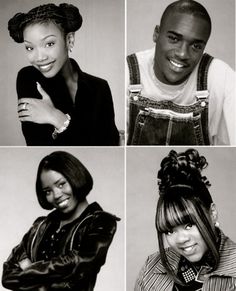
(83, 252)
(92, 114)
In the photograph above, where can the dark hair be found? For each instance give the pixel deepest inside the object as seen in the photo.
(187, 7)
(66, 16)
(71, 168)
(184, 198)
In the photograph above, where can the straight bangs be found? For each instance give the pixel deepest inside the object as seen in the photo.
(172, 213)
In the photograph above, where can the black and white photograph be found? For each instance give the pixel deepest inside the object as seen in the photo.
(180, 72)
(62, 72)
(180, 218)
(62, 219)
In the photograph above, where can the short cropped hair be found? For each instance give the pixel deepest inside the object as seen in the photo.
(187, 7)
(66, 16)
(71, 168)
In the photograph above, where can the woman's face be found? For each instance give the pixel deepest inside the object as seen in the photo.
(58, 191)
(187, 241)
(46, 48)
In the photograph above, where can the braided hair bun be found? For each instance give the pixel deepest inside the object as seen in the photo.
(182, 169)
(67, 16)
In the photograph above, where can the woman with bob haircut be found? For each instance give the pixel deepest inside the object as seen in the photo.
(59, 104)
(199, 256)
(66, 249)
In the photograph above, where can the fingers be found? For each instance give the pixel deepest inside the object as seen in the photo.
(41, 91)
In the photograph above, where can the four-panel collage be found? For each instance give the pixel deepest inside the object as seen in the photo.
(118, 145)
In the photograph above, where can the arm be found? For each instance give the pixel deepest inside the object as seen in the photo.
(36, 110)
(18, 259)
(86, 257)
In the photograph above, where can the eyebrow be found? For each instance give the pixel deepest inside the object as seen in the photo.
(43, 37)
(181, 36)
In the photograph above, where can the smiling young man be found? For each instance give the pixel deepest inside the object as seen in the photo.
(177, 94)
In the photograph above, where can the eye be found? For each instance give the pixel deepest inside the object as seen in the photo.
(188, 226)
(170, 232)
(198, 46)
(50, 44)
(47, 192)
(173, 38)
(28, 48)
(61, 184)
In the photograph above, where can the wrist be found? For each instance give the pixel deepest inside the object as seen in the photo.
(63, 127)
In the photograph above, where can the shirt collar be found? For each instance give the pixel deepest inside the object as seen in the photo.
(226, 266)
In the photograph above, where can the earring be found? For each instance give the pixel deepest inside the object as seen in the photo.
(217, 224)
(70, 49)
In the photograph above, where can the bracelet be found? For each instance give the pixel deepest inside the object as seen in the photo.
(63, 128)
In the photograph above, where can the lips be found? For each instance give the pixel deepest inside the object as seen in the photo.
(177, 66)
(188, 250)
(45, 67)
(63, 203)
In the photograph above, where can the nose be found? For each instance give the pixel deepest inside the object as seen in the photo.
(181, 237)
(182, 52)
(40, 55)
(57, 193)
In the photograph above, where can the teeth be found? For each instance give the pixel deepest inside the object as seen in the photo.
(188, 249)
(45, 67)
(176, 64)
(63, 203)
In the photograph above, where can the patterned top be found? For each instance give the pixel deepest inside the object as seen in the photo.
(153, 276)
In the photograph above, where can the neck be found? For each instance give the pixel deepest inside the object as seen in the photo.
(67, 218)
(68, 72)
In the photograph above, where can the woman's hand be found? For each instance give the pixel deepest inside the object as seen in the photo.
(24, 264)
(40, 111)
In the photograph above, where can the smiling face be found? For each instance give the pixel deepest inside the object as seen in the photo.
(187, 241)
(180, 44)
(46, 48)
(58, 191)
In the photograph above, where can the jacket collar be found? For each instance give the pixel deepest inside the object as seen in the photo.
(226, 266)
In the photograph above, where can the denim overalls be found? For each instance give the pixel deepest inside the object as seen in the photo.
(164, 122)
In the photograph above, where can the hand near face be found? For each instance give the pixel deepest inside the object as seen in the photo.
(40, 111)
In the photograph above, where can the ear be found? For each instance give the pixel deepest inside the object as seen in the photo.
(70, 40)
(156, 33)
(213, 213)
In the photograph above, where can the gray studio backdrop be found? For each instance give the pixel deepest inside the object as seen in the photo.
(142, 194)
(19, 206)
(142, 16)
(99, 50)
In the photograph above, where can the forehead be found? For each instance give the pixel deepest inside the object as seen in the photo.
(49, 177)
(38, 31)
(187, 25)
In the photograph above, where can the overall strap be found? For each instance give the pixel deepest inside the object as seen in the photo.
(203, 72)
(134, 73)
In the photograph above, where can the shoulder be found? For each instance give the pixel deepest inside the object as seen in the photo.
(28, 72)
(143, 57)
(218, 72)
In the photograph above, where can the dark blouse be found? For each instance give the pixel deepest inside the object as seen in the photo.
(92, 113)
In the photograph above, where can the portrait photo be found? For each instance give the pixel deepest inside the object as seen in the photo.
(102, 227)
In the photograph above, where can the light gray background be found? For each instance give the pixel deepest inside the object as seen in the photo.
(142, 194)
(142, 16)
(99, 50)
(19, 206)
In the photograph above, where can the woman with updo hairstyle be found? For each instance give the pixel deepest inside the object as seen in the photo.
(59, 104)
(66, 249)
(194, 254)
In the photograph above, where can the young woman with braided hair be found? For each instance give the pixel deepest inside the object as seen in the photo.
(199, 256)
(58, 103)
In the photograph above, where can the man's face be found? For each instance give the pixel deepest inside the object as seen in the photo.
(180, 44)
